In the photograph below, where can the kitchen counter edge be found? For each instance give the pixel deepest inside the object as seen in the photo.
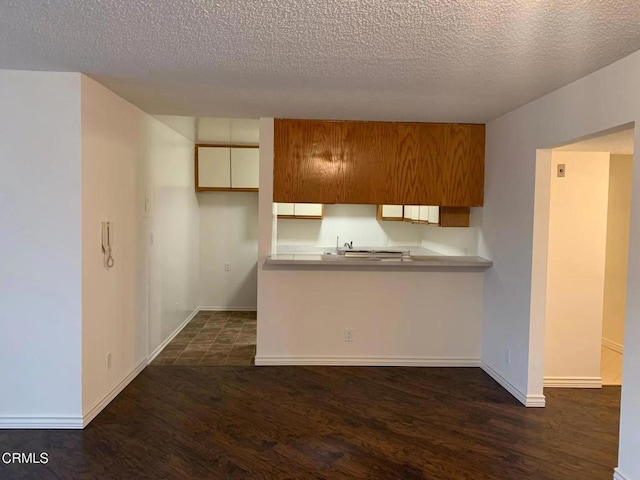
(415, 262)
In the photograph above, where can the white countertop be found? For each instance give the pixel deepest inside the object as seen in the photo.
(413, 262)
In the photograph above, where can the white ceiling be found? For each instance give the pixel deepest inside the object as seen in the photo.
(464, 60)
(618, 143)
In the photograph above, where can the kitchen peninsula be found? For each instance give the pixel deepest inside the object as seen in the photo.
(318, 308)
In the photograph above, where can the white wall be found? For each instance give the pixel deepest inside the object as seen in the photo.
(40, 253)
(129, 310)
(576, 266)
(450, 240)
(352, 223)
(398, 317)
(605, 99)
(175, 224)
(615, 279)
(228, 234)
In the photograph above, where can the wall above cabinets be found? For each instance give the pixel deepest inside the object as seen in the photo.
(226, 168)
(378, 163)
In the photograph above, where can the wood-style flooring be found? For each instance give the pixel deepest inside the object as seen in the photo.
(329, 422)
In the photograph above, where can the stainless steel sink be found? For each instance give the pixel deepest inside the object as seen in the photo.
(375, 253)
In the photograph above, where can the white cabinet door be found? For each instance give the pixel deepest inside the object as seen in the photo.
(285, 209)
(434, 214)
(392, 211)
(308, 209)
(214, 167)
(412, 212)
(423, 213)
(244, 167)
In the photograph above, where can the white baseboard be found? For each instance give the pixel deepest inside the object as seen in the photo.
(619, 475)
(157, 351)
(573, 382)
(616, 347)
(526, 400)
(330, 360)
(98, 407)
(41, 422)
(227, 308)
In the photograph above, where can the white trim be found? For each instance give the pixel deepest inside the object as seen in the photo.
(97, 408)
(526, 400)
(619, 475)
(227, 308)
(368, 361)
(41, 422)
(573, 382)
(157, 351)
(615, 346)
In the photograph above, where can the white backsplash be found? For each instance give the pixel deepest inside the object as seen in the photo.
(352, 223)
(358, 224)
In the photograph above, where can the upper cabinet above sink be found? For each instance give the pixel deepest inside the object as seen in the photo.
(382, 163)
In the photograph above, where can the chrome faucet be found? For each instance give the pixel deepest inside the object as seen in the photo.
(349, 245)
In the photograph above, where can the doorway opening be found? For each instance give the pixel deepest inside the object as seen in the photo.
(224, 189)
(588, 196)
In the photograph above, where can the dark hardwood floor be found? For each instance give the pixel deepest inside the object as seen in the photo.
(329, 422)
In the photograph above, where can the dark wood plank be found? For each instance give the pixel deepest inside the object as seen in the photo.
(329, 422)
(454, 216)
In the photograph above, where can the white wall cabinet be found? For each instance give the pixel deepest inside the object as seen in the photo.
(313, 211)
(422, 213)
(214, 167)
(391, 212)
(227, 168)
(244, 167)
(410, 213)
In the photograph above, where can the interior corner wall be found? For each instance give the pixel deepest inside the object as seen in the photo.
(228, 235)
(130, 160)
(576, 268)
(615, 279)
(603, 100)
(40, 277)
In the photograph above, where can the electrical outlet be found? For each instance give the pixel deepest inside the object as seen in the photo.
(109, 361)
(348, 335)
(227, 267)
(507, 355)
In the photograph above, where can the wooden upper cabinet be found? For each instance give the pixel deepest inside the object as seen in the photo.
(463, 166)
(307, 161)
(378, 163)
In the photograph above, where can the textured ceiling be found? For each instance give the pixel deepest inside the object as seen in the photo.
(619, 143)
(464, 60)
